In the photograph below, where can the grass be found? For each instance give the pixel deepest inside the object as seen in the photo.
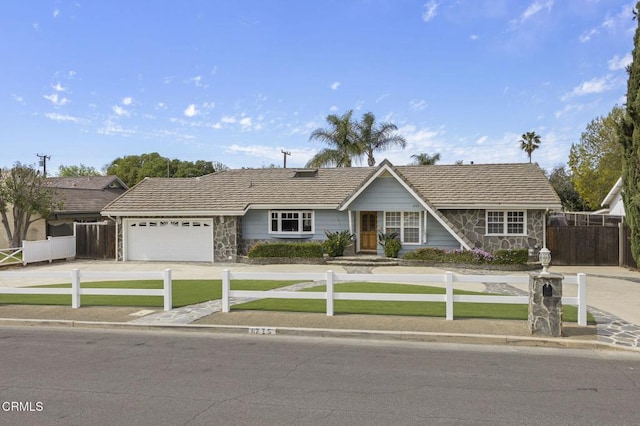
(430, 309)
(189, 292)
(185, 292)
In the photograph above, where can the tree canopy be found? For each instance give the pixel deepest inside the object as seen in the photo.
(629, 137)
(131, 169)
(561, 181)
(424, 159)
(530, 142)
(596, 161)
(24, 198)
(77, 171)
(348, 140)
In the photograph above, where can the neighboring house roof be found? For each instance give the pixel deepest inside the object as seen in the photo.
(86, 194)
(232, 192)
(613, 193)
(87, 182)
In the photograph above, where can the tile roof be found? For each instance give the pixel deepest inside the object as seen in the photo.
(85, 200)
(235, 190)
(86, 182)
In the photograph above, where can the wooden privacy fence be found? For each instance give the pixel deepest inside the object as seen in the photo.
(590, 245)
(448, 279)
(96, 240)
(76, 290)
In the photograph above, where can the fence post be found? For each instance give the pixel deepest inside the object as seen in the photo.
(167, 290)
(329, 293)
(50, 247)
(449, 295)
(582, 299)
(75, 288)
(226, 287)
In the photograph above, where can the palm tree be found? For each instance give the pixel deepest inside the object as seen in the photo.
(424, 159)
(340, 136)
(530, 142)
(376, 138)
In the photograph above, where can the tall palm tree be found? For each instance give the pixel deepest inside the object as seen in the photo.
(376, 138)
(340, 137)
(530, 142)
(425, 159)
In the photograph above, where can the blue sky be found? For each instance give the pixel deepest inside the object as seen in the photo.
(239, 81)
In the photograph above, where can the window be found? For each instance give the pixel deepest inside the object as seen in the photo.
(294, 222)
(506, 223)
(406, 224)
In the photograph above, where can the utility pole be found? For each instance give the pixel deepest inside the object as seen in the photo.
(285, 156)
(43, 162)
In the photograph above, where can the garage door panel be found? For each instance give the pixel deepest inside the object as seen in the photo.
(170, 240)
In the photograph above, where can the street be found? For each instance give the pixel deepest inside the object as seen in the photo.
(56, 376)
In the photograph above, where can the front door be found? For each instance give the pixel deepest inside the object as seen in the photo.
(368, 231)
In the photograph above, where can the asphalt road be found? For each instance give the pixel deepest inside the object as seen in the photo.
(54, 376)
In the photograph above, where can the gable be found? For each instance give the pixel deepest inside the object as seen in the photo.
(385, 193)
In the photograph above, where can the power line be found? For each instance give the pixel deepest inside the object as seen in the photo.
(43, 162)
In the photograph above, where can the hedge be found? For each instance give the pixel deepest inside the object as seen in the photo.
(307, 250)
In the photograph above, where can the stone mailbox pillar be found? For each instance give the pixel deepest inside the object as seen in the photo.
(545, 304)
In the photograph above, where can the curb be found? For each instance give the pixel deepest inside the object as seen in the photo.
(408, 336)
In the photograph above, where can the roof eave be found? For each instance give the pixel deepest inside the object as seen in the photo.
(170, 213)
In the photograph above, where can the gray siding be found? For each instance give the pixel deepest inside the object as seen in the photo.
(386, 194)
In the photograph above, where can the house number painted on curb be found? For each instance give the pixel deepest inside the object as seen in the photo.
(262, 330)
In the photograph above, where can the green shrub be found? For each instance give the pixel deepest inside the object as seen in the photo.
(475, 256)
(390, 243)
(511, 257)
(285, 250)
(337, 242)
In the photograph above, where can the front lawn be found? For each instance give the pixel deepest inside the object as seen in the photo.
(185, 292)
(430, 309)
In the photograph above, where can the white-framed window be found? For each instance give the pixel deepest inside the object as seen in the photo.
(506, 222)
(406, 224)
(291, 222)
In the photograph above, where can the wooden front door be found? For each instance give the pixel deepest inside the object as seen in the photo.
(368, 231)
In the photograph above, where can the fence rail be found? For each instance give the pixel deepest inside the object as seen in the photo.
(10, 256)
(448, 279)
(76, 290)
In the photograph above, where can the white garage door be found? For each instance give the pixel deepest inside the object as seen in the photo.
(172, 239)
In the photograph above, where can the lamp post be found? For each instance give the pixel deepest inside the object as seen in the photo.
(545, 259)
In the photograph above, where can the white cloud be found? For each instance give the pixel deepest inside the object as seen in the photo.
(161, 106)
(56, 100)
(335, 85)
(58, 87)
(18, 98)
(245, 122)
(430, 10)
(482, 140)
(36, 26)
(617, 63)
(474, 37)
(595, 85)
(127, 101)
(587, 35)
(209, 105)
(61, 117)
(191, 111)
(535, 8)
(381, 97)
(120, 111)
(197, 81)
(418, 104)
(56, 13)
(333, 108)
(227, 119)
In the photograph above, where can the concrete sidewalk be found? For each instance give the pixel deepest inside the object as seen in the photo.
(612, 291)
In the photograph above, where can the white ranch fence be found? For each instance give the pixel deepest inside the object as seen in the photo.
(77, 276)
(48, 250)
(10, 256)
(448, 279)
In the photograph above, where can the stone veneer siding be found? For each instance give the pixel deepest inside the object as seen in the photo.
(474, 226)
(225, 238)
